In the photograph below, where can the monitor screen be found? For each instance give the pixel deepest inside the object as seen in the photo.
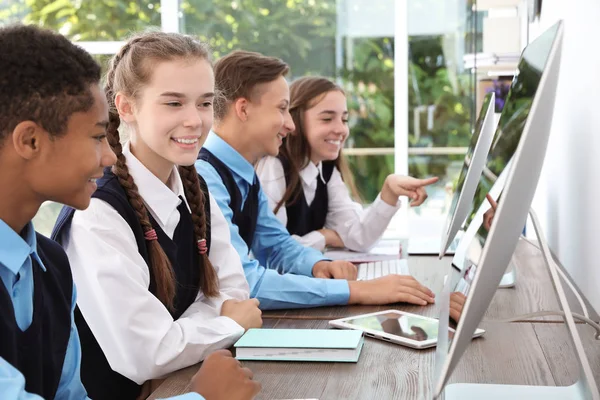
(406, 326)
(514, 115)
(468, 157)
(506, 140)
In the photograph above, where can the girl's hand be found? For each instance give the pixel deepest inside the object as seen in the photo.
(245, 312)
(488, 217)
(399, 185)
(332, 239)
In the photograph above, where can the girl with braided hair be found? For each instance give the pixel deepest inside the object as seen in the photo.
(160, 284)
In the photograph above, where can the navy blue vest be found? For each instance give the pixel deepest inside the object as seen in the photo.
(39, 351)
(245, 218)
(303, 218)
(100, 381)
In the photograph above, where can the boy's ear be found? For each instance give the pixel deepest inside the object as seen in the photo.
(124, 106)
(27, 139)
(241, 106)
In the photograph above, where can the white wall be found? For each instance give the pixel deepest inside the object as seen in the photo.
(568, 195)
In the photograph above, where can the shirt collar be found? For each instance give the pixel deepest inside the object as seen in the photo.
(311, 171)
(161, 199)
(15, 248)
(228, 155)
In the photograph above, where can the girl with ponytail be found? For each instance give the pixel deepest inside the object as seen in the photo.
(160, 285)
(309, 185)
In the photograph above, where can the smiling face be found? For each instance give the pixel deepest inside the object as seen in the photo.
(269, 119)
(172, 114)
(68, 165)
(326, 126)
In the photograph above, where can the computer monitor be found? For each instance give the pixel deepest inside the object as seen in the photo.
(469, 175)
(514, 115)
(506, 138)
(491, 251)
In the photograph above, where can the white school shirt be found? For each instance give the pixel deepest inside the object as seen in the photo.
(359, 228)
(134, 329)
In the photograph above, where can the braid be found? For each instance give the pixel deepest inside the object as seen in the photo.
(161, 266)
(196, 199)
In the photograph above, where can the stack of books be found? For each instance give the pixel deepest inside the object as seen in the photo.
(325, 345)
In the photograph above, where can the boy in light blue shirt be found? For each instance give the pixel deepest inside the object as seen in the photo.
(251, 118)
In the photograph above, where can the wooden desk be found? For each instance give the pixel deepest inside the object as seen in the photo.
(533, 292)
(517, 353)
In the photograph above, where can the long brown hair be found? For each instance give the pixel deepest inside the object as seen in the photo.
(131, 69)
(238, 73)
(305, 93)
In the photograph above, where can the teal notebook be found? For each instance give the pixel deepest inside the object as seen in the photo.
(327, 345)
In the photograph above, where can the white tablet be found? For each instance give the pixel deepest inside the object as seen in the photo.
(399, 327)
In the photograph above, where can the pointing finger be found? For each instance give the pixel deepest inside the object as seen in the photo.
(428, 181)
(492, 201)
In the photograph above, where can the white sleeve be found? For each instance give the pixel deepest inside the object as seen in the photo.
(313, 239)
(272, 181)
(226, 260)
(358, 228)
(135, 331)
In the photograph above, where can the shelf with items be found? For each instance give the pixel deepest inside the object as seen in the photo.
(500, 86)
(492, 64)
(484, 5)
(494, 72)
(505, 31)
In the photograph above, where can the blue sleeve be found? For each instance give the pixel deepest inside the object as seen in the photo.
(12, 383)
(187, 396)
(275, 291)
(274, 247)
(70, 386)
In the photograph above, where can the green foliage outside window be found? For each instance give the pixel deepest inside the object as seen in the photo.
(302, 32)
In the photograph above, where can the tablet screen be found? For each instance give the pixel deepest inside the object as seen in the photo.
(406, 326)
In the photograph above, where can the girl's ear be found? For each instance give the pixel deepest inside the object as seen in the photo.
(241, 106)
(124, 107)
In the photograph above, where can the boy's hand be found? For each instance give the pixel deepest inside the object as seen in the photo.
(390, 289)
(222, 377)
(457, 302)
(335, 270)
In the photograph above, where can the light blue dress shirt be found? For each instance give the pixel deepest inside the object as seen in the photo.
(287, 282)
(16, 272)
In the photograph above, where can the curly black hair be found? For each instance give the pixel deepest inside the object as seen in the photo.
(43, 78)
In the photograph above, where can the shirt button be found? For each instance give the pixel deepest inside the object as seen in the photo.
(15, 292)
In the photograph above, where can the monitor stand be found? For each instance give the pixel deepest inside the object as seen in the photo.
(509, 279)
(584, 389)
(473, 391)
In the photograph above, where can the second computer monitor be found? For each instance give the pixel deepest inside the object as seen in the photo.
(521, 141)
(471, 171)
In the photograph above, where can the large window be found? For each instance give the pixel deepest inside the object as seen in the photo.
(109, 20)
(421, 122)
(441, 99)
